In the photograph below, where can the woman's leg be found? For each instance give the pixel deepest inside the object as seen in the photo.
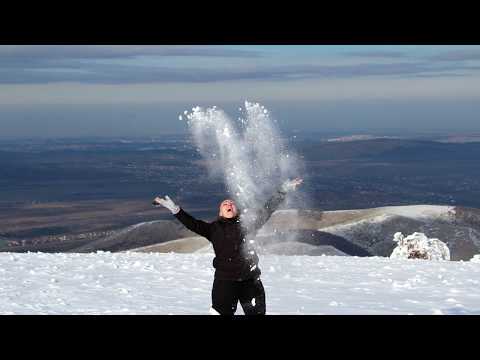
(225, 296)
(252, 297)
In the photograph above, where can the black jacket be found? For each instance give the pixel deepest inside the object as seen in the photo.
(234, 258)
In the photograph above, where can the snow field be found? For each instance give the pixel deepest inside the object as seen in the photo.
(154, 283)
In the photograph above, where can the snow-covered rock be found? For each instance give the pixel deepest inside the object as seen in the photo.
(475, 259)
(419, 246)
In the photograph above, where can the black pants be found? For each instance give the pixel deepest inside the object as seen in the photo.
(227, 293)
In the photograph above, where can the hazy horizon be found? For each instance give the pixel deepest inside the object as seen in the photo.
(150, 120)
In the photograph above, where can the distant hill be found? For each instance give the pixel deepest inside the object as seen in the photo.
(184, 245)
(359, 232)
(372, 229)
(365, 232)
(138, 235)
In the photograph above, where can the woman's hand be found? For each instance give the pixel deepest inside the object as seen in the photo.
(167, 203)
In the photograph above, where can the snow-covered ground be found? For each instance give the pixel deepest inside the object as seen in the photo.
(154, 283)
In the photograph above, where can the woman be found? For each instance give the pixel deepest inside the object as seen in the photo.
(237, 275)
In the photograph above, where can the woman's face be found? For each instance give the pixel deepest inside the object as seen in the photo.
(228, 209)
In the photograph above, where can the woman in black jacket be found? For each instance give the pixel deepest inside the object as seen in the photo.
(237, 275)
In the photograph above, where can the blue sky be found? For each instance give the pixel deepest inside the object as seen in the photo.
(154, 83)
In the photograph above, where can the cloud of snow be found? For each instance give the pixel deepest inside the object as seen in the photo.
(248, 154)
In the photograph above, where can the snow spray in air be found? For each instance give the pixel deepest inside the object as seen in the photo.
(249, 153)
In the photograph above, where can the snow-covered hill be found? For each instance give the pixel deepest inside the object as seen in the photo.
(358, 232)
(373, 229)
(362, 232)
(155, 283)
